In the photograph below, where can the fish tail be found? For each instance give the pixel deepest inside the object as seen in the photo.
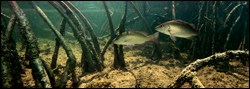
(154, 36)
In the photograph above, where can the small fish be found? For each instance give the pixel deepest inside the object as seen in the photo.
(177, 28)
(134, 38)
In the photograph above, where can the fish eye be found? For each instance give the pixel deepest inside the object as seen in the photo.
(158, 26)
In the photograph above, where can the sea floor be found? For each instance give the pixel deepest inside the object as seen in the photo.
(142, 72)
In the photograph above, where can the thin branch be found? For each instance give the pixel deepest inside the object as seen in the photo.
(50, 73)
(4, 15)
(55, 55)
(88, 26)
(230, 32)
(10, 27)
(173, 10)
(140, 15)
(105, 24)
(214, 27)
(112, 32)
(230, 13)
(200, 13)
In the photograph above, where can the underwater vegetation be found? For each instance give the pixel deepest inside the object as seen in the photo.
(128, 44)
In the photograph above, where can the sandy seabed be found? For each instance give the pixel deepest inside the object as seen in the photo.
(141, 72)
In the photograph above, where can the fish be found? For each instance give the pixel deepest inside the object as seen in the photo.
(177, 28)
(134, 38)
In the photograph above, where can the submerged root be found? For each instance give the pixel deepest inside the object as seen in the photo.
(190, 71)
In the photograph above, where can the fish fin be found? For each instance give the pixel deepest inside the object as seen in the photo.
(156, 35)
(137, 32)
(191, 37)
(172, 37)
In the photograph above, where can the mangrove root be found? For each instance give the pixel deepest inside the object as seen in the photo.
(190, 71)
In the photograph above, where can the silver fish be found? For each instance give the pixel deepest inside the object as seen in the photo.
(134, 37)
(177, 28)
